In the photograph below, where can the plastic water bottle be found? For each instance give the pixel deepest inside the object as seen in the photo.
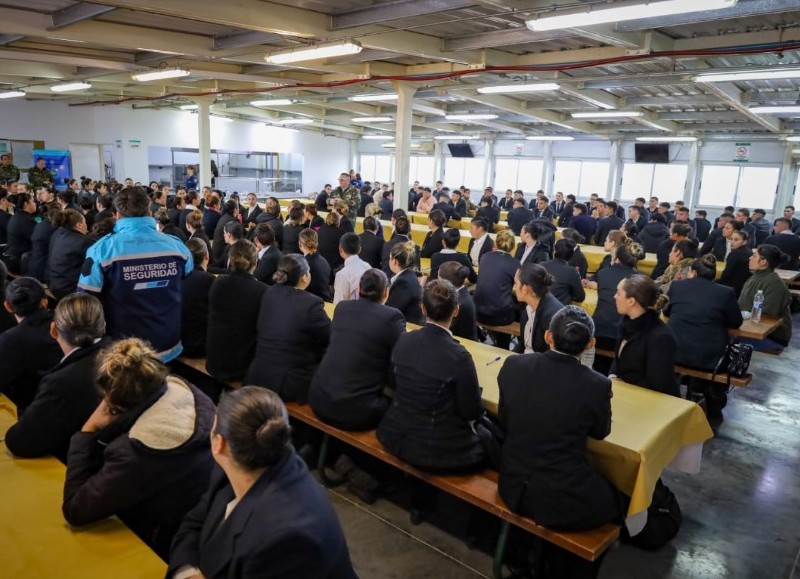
(758, 305)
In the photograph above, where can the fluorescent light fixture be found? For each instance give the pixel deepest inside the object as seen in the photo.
(297, 121)
(160, 74)
(362, 98)
(512, 88)
(629, 11)
(793, 139)
(10, 94)
(222, 119)
(792, 110)
(372, 119)
(190, 107)
(69, 86)
(377, 137)
(606, 115)
(272, 103)
(394, 145)
(761, 74)
(314, 52)
(471, 117)
(456, 137)
(666, 139)
(549, 138)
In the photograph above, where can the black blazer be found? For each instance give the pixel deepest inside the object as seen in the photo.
(405, 294)
(201, 235)
(737, 269)
(175, 231)
(67, 254)
(275, 223)
(439, 258)
(578, 261)
(539, 254)
(606, 319)
(66, 398)
(371, 248)
(645, 354)
(20, 230)
(549, 404)
(715, 244)
(291, 238)
(566, 286)
(27, 351)
(328, 238)
(248, 217)
(488, 245)
(218, 244)
(460, 210)
(491, 214)
(347, 388)
(605, 226)
(293, 333)
(320, 277)
(662, 258)
(789, 244)
(433, 243)
(494, 302)
(267, 265)
(517, 217)
(437, 395)
(702, 228)
(387, 250)
(233, 305)
(465, 324)
(700, 314)
(40, 249)
(284, 527)
(547, 308)
(195, 291)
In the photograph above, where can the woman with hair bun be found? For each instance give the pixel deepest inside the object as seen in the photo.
(68, 247)
(405, 292)
(645, 352)
(566, 287)
(531, 284)
(494, 302)
(293, 333)
(143, 454)
(264, 515)
(465, 323)
(763, 263)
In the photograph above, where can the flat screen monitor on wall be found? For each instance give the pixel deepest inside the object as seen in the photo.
(460, 150)
(650, 153)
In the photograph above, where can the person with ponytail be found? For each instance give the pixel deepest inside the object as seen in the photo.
(680, 261)
(143, 453)
(405, 293)
(494, 301)
(763, 263)
(567, 286)
(531, 284)
(293, 333)
(68, 247)
(645, 351)
(264, 515)
(464, 324)
(19, 233)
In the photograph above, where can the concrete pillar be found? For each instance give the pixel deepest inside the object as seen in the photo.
(488, 164)
(204, 141)
(402, 151)
(691, 189)
(786, 184)
(354, 157)
(614, 170)
(438, 163)
(547, 169)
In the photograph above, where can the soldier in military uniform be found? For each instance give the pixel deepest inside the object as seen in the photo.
(347, 193)
(8, 172)
(40, 175)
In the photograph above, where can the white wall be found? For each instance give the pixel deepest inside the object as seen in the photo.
(59, 125)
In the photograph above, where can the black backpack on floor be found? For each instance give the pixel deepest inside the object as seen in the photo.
(664, 520)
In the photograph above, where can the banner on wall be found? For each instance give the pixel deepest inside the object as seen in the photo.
(57, 162)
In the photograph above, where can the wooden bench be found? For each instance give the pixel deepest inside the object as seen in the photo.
(199, 364)
(478, 489)
(513, 328)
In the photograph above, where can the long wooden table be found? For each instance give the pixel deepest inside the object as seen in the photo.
(35, 541)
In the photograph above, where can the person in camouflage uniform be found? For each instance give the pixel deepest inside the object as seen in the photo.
(347, 193)
(8, 172)
(39, 175)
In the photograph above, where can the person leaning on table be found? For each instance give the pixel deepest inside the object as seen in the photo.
(143, 454)
(763, 262)
(264, 516)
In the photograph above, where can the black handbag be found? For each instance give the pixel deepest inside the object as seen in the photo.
(664, 520)
(735, 361)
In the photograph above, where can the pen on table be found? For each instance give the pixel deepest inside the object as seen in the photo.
(493, 361)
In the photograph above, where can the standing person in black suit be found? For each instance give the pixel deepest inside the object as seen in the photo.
(608, 221)
(67, 395)
(329, 235)
(319, 269)
(437, 397)
(195, 291)
(495, 305)
(347, 390)
(465, 323)
(645, 352)
(480, 243)
(283, 523)
(233, 305)
(405, 293)
(737, 264)
(27, 350)
(194, 225)
(371, 242)
(786, 241)
(531, 284)
(566, 286)
(386, 204)
(268, 253)
(293, 333)
(530, 250)
(402, 231)
(519, 215)
(450, 241)
(291, 231)
(229, 213)
(433, 239)
(251, 211)
(549, 405)
(322, 199)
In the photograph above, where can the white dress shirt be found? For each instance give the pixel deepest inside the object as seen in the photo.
(345, 286)
(475, 253)
(528, 332)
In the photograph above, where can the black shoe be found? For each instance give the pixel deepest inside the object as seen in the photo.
(362, 479)
(309, 456)
(365, 495)
(417, 516)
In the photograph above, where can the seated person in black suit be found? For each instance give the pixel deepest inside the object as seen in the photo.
(445, 206)
(464, 325)
(530, 250)
(67, 395)
(495, 304)
(488, 212)
(450, 241)
(437, 395)
(566, 287)
(165, 224)
(737, 264)
(283, 523)
(677, 232)
(347, 390)
(268, 253)
(345, 224)
(460, 207)
(519, 215)
(293, 333)
(786, 241)
(405, 293)
(578, 259)
(291, 230)
(549, 405)
(433, 239)
(481, 242)
(233, 305)
(371, 242)
(27, 350)
(195, 290)
(531, 285)
(318, 267)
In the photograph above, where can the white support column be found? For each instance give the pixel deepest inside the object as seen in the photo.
(548, 166)
(691, 189)
(402, 151)
(438, 163)
(204, 141)
(614, 170)
(788, 179)
(354, 157)
(488, 164)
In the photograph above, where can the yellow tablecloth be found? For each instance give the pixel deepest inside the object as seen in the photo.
(35, 541)
(590, 303)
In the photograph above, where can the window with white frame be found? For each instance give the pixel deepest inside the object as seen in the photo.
(581, 178)
(518, 173)
(665, 181)
(796, 202)
(376, 168)
(422, 170)
(740, 186)
(467, 172)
